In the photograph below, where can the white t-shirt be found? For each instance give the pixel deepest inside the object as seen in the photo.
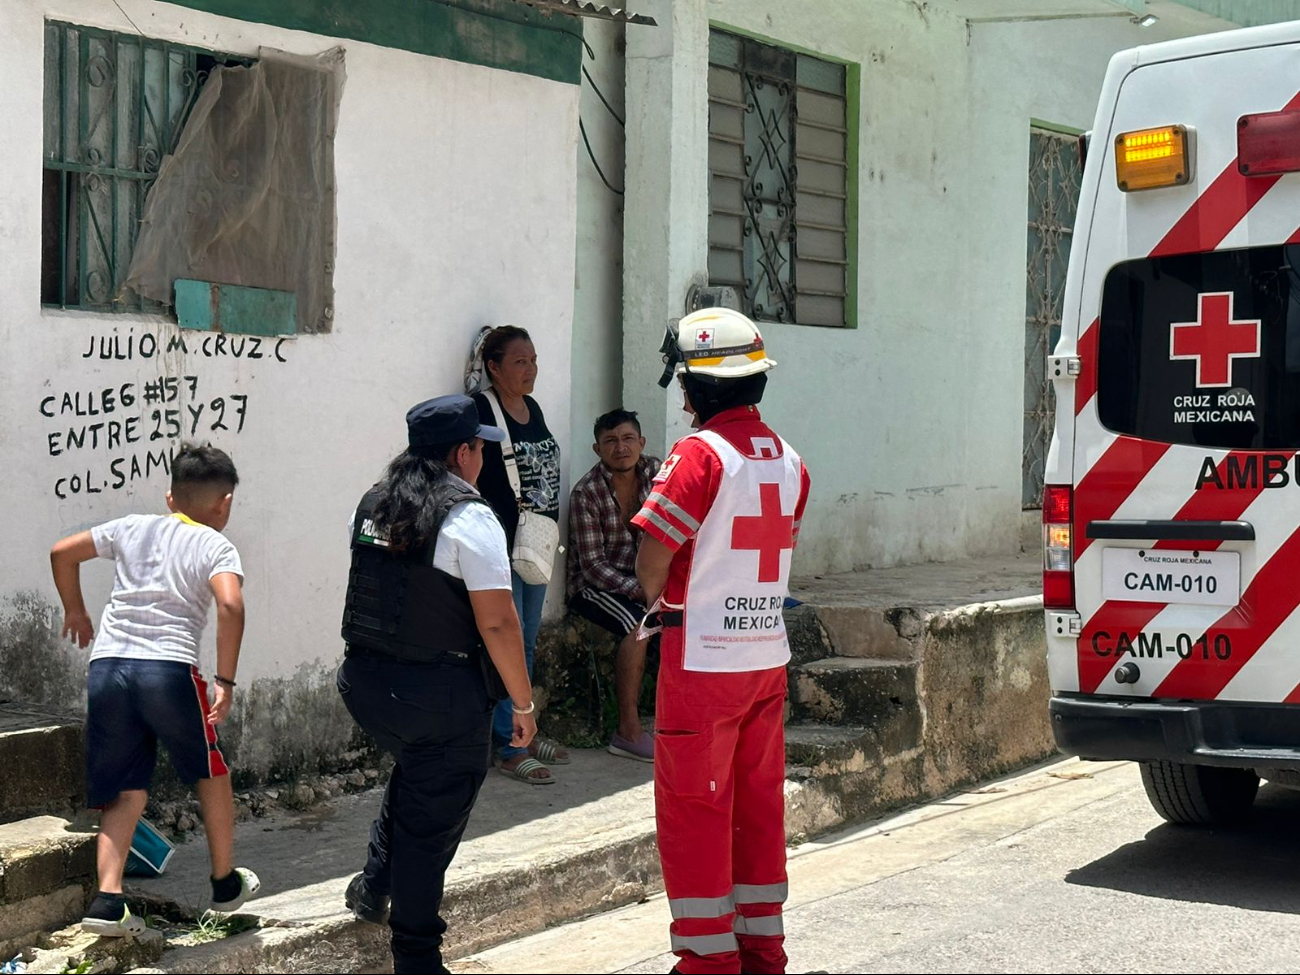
(472, 546)
(161, 586)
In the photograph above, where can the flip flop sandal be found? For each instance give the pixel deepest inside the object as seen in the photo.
(548, 752)
(523, 772)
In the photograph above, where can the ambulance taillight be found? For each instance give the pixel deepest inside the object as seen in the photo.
(1058, 548)
(1268, 144)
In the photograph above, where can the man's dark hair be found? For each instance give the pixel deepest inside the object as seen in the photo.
(198, 466)
(614, 419)
(710, 396)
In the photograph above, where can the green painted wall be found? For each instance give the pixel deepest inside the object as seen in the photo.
(496, 33)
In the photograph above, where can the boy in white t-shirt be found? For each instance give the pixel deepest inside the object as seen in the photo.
(144, 685)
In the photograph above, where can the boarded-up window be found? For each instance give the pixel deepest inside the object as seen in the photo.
(247, 198)
(778, 190)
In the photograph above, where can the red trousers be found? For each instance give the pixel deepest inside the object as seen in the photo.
(720, 813)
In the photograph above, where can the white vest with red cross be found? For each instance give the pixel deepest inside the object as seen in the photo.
(740, 569)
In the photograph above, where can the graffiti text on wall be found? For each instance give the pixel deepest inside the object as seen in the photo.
(107, 437)
(129, 421)
(211, 345)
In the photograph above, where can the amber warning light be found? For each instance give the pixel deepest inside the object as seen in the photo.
(1151, 158)
(1268, 144)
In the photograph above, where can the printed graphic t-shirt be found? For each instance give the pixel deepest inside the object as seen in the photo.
(161, 586)
(538, 456)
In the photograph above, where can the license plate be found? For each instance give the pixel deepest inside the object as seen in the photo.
(1160, 576)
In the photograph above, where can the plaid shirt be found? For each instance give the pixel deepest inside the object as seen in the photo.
(602, 548)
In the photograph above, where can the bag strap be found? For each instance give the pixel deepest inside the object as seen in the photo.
(507, 445)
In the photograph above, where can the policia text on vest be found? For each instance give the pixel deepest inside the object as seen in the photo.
(398, 605)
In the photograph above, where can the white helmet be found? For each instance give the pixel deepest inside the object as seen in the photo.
(716, 342)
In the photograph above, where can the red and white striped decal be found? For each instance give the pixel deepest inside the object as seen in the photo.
(1132, 617)
(1085, 387)
(1219, 209)
(1110, 482)
(1115, 472)
(1270, 598)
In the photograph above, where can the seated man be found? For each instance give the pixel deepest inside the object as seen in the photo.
(602, 562)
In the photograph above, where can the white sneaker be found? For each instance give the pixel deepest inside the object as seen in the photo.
(110, 916)
(249, 885)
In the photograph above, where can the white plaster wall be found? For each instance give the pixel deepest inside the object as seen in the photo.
(911, 422)
(666, 226)
(598, 292)
(456, 208)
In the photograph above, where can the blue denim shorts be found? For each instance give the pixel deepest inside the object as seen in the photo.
(131, 706)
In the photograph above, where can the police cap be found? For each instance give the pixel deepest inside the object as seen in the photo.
(447, 419)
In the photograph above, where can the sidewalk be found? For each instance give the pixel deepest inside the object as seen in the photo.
(533, 856)
(928, 588)
(907, 684)
(910, 843)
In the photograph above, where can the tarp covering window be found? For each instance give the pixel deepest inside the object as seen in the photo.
(247, 198)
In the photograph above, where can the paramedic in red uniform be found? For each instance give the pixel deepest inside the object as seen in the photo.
(720, 528)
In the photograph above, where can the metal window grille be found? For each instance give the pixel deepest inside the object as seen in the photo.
(114, 107)
(778, 190)
(1054, 179)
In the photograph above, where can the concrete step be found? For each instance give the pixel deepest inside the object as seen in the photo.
(824, 748)
(843, 774)
(808, 638)
(42, 769)
(72, 950)
(46, 871)
(877, 694)
(877, 633)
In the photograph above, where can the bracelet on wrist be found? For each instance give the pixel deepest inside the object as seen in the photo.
(224, 681)
(532, 706)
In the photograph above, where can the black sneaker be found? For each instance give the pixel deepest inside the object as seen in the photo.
(366, 905)
(109, 916)
(231, 892)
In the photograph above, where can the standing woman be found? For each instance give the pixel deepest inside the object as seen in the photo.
(510, 364)
(428, 604)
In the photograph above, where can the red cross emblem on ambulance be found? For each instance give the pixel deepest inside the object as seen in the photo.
(769, 533)
(1215, 339)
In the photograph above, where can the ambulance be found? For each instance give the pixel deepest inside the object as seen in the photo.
(1171, 513)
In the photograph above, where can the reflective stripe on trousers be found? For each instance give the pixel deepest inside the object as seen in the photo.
(719, 804)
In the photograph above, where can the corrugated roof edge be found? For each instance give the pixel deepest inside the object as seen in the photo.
(583, 8)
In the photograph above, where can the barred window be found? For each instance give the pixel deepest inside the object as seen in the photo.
(778, 191)
(114, 107)
(1054, 182)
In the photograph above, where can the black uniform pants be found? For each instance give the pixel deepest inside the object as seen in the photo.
(436, 720)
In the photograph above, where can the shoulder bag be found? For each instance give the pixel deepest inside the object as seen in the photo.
(537, 537)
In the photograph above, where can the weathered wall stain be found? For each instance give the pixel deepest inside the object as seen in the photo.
(37, 666)
(285, 727)
(281, 728)
(985, 687)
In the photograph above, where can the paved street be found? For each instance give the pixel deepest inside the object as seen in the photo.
(1062, 869)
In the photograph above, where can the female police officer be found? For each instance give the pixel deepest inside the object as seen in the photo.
(428, 602)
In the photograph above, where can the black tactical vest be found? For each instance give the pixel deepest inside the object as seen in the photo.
(398, 604)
